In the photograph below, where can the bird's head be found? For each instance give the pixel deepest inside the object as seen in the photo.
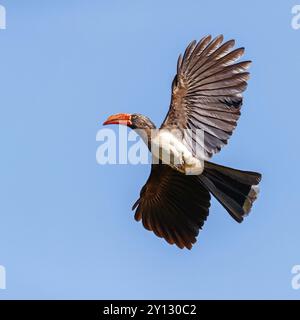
(133, 121)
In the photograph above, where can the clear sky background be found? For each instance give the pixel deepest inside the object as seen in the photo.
(67, 229)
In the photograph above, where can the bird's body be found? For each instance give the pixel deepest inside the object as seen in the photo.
(170, 149)
(205, 107)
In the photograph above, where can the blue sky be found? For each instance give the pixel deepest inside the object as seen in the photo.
(67, 230)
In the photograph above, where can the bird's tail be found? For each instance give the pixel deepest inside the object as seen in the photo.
(236, 190)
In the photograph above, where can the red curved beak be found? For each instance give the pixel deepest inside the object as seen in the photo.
(119, 118)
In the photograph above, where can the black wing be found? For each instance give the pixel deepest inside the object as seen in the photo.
(207, 92)
(173, 205)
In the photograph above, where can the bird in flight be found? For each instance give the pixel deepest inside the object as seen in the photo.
(206, 98)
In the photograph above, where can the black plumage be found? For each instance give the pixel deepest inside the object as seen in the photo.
(206, 95)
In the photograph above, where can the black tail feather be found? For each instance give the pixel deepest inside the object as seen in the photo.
(236, 190)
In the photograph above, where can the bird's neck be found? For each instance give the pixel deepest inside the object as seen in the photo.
(147, 134)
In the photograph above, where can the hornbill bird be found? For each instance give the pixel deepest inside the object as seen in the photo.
(207, 96)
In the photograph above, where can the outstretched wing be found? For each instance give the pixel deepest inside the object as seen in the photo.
(207, 92)
(173, 205)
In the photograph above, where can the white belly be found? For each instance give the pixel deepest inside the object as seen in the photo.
(172, 151)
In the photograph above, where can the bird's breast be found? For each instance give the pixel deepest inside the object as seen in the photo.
(171, 150)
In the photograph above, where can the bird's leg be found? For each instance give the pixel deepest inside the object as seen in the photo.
(192, 165)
